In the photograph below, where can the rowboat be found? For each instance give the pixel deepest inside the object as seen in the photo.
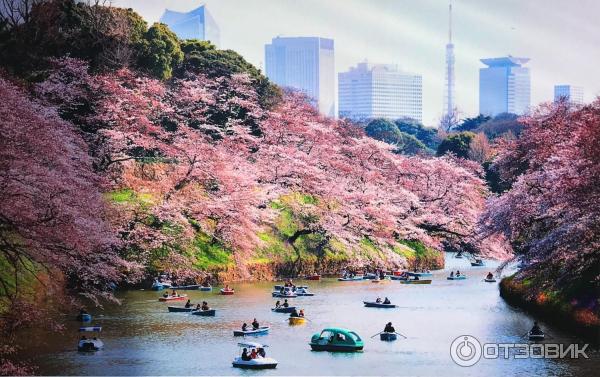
(84, 317)
(260, 331)
(489, 280)
(187, 287)
(313, 277)
(172, 298)
(179, 309)
(228, 292)
(90, 345)
(160, 285)
(536, 337)
(461, 277)
(282, 309)
(279, 287)
(413, 281)
(477, 263)
(354, 278)
(369, 276)
(205, 289)
(303, 292)
(205, 313)
(388, 336)
(420, 274)
(398, 277)
(336, 339)
(371, 304)
(286, 294)
(257, 363)
(297, 320)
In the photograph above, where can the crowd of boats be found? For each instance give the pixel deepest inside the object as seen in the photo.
(253, 354)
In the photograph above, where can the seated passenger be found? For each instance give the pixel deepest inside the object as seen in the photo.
(294, 313)
(301, 313)
(188, 304)
(378, 300)
(244, 327)
(285, 303)
(277, 304)
(536, 330)
(389, 328)
(198, 307)
(451, 274)
(489, 276)
(253, 354)
(205, 305)
(261, 352)
(255, 324)
(245, 356)
(457, 273)
(387, 301)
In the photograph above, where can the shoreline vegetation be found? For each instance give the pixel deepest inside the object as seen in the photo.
(574, 314)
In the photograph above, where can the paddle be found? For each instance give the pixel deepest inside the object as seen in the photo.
(377, 334)
(405, 337)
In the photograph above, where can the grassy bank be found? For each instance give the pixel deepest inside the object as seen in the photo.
(576, 312)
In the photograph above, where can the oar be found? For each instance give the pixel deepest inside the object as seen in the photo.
(405, 337)
(376, 334)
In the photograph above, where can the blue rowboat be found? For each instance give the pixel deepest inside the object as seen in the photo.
(289, 309)
(205, 313)
(260, 331)
(179, 309)
(388, 336)
(461, 277)
(371, 304)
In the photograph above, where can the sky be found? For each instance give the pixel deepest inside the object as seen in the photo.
(561, 37)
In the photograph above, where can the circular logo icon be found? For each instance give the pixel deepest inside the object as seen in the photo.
(465, 350)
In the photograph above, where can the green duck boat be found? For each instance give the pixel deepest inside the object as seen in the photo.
(336, 339)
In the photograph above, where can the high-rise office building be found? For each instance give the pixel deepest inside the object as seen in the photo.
(573, 94)
(370, 91)
(504, 86)
(449, 90)
(305, 64)
(195, 24)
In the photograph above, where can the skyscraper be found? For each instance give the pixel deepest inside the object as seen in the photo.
(195, 24)
(370, 91)
(504, 86)
(573, 94)
(305, 64)
(449, 92)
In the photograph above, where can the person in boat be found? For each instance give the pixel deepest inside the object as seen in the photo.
(378, 300)
(173, 293)
(282, 290)
(205, 284)
(205, 305)
(166, 294)
(381, 275)
(244, 326)
(389, 328)
(278, 304)
(198, 307)
(294, 313)
(489, 276)
(387, 301)
(261, 352)
(253, 354)
(301, 313)
(285, 303)
(457, 273)
(536, 330)
(227, 287)
(245, 356)
(188, 304)
(416, 277)
(255, 324)
(451, 274)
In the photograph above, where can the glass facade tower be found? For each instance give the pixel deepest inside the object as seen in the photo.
(305, 64)
(195, 24)
(573, 94)
(504, 86)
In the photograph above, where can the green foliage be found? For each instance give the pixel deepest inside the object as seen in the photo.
(458, 144)
(425, 135)
(128, 196)
(159, 51)
(471, 124)
(203, 57)
(388, 132)
(207, 253)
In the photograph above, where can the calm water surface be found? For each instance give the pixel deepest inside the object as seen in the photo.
(142, 338)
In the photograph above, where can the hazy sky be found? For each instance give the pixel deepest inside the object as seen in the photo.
(562, 37)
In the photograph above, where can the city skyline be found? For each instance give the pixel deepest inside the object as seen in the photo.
(413, 35)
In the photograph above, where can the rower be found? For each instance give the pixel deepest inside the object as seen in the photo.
(490, 276)
(536, 330)
(378, 300)
(387, 301)
(198, 307)
(205, 305)
(451, 274)
(244, 327)
(294, 313)
(255, 324)
(188, 304)
(285, 303)
(261, 352)
(389, 328)
(277, 304)
(173, 293)
(457, 273)
(245, 356)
